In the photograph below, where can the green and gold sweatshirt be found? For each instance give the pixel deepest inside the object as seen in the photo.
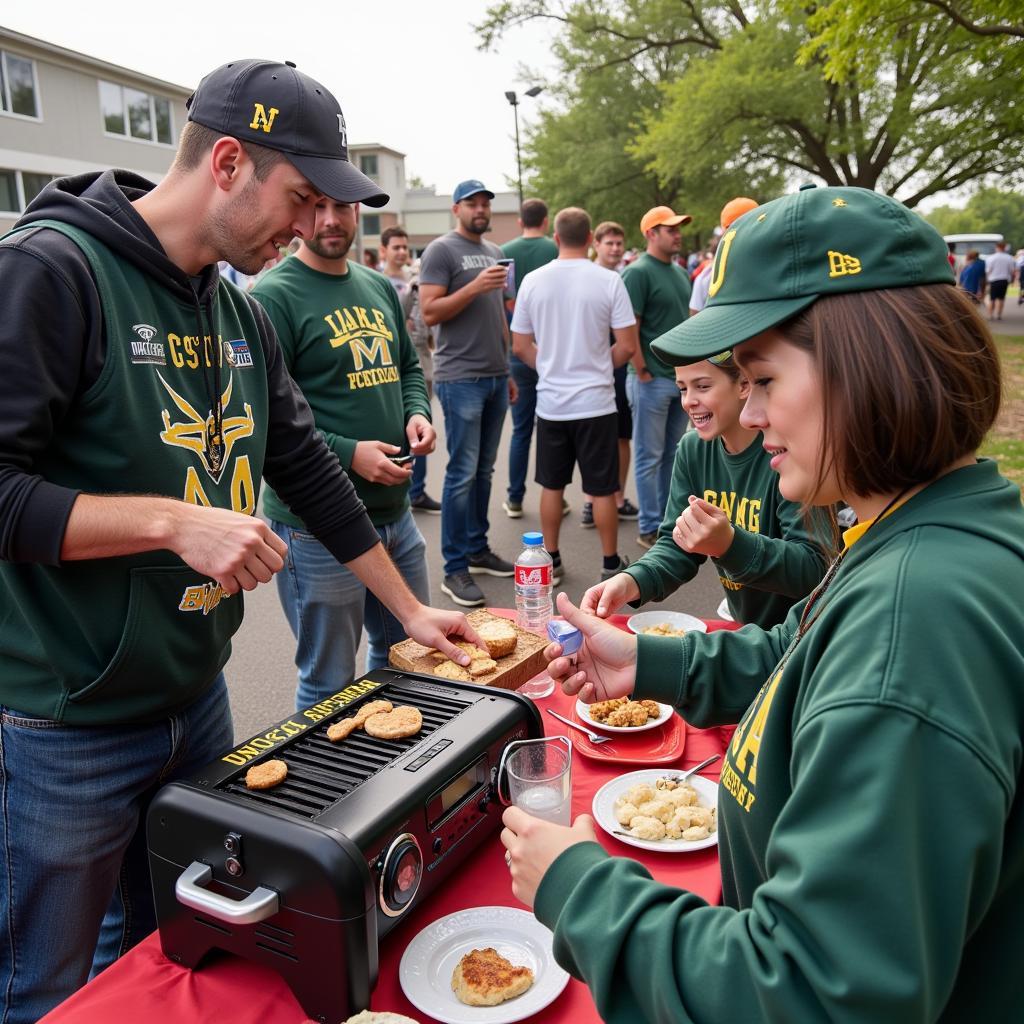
(345, 342)
(772, 560)
(871, 812)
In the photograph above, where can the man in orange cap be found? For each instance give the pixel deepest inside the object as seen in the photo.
(733, 210)
(660, 292)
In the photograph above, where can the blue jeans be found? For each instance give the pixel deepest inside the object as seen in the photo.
(658, 424)
(73, 803)
(327, 606)
(474, 411)
(524, 415)
(418, 483)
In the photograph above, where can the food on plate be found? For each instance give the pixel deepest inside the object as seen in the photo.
(372, 708)
(266, 775)
(499, 635)
(668, 809)
(449, 670)
(342, 730)
(399, 724)
(485, 978)
(624, 713)
(663, 629)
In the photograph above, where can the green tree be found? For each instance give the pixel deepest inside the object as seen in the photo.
(720, 104)
(988, 210)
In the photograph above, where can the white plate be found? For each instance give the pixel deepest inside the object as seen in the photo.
(667, 711)
(677, 620)
(431, 958)
(604, 810)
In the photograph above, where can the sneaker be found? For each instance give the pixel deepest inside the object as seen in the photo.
(566, 508)
(488, 563)
(627, 510)
(587, 516)
(607, 574)
(425, 503)
(646, 540)
(513, 509)
(462, 589)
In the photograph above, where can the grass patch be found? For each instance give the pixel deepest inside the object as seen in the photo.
(1005, 441)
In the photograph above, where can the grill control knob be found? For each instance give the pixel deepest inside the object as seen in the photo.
(400, 875)
(233, 866)
(438, 845)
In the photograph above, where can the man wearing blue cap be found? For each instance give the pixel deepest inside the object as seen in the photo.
(461, 287)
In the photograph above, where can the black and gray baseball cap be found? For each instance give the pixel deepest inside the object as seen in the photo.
(277, 106)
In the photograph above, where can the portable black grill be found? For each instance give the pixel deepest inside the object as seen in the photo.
(308, 876)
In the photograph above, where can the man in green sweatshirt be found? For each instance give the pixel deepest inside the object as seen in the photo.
(344, 340)
(143, 398)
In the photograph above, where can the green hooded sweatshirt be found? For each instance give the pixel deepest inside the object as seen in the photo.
(871, 816)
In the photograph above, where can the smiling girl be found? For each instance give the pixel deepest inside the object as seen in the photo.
(724, 504)
(871, 813)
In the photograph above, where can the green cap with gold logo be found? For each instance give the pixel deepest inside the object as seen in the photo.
(779, 258)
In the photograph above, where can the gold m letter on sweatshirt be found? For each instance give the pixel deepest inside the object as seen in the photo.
(261, 119)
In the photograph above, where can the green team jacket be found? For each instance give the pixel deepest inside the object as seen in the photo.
(772, 560)
(871, 812)
(345, 342)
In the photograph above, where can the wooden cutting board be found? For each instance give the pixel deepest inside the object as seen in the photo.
(514, 669)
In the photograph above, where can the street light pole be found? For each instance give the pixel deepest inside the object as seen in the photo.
(513, 100)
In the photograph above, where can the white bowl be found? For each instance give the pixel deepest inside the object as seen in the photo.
(677, 620)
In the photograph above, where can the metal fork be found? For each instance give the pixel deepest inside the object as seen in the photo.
(594, 738)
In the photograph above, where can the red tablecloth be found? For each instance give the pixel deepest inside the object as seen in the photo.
(144, 986)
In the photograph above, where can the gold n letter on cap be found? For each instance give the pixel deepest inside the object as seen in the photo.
(839, 264)
(261, 119)
(718, 270)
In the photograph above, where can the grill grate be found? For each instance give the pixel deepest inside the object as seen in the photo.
(320, 773)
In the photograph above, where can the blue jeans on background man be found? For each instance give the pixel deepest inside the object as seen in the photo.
(474, 411)
(418, 481)
(327, 606)
(73, 803)
(658, 424)
(524, 415)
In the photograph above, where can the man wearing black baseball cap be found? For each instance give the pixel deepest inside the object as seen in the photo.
(143, 399)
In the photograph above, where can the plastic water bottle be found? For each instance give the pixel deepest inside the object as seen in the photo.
(533, 585)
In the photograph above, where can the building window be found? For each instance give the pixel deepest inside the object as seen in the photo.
(19, 188)
(17, 85)
(368, 165)
(135, 114)
(371, 223)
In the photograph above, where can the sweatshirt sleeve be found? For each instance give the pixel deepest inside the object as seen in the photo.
(51, 348)
(873, 883)
(711, 678)
(414, 386)
(300, 466)
(792, 564)
(666, 566)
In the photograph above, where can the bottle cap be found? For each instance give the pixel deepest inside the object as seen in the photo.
(566, 634)
(532, 539)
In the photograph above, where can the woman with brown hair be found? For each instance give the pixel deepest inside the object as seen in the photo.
(871, 817)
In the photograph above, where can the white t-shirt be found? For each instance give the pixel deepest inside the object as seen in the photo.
(569, 306)
(999, 266)
(701, 284)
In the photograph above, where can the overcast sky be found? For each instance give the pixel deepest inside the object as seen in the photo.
(407, 74)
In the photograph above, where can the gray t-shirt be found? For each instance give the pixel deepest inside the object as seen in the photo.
(471, 344)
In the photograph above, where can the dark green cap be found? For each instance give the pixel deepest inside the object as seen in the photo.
(777, 259)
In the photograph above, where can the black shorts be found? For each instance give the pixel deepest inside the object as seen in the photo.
(997, 290)
(590, 443)
(622, 408)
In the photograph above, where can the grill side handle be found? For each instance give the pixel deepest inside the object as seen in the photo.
(260, 904)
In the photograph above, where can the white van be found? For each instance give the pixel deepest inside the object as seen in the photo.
(963, 244)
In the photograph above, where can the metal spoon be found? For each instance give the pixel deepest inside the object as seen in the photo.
(590, 734)
(694, 770)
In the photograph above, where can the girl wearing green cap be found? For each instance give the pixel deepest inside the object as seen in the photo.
(871, 812)
(724, 504)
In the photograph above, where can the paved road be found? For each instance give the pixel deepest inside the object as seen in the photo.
(261, 673)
